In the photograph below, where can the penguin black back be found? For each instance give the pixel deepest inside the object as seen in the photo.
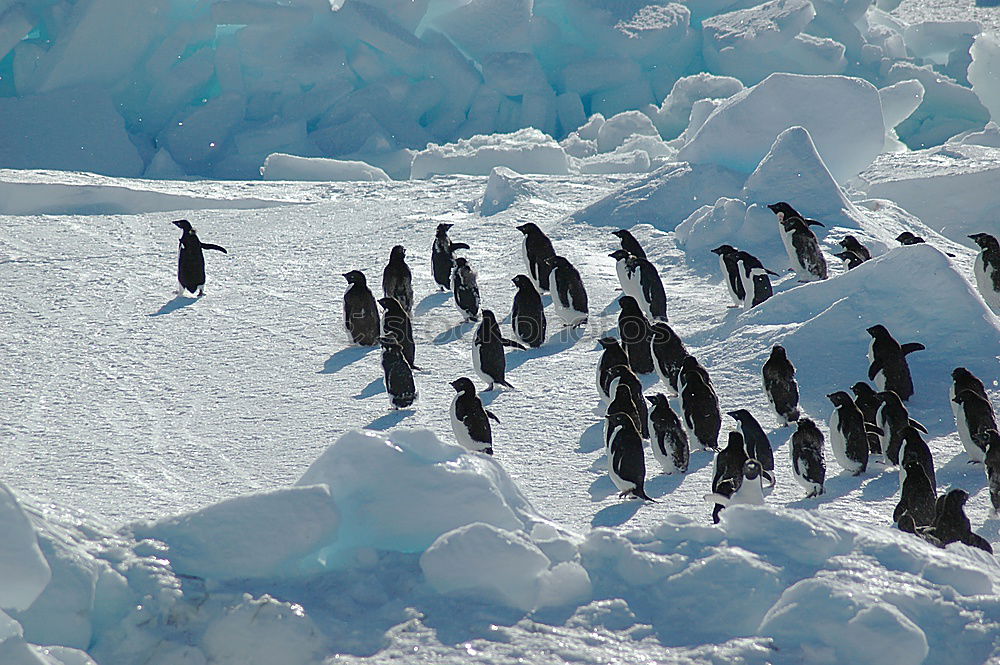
(396, 323)
(669, 439)
(806, 454)
(700, 406)
(668, 353)
(917, 496)
(443, 256)
(893, 417)
(470, 420)
(360, 313)
(914, 449)
(626, 461)
(466, 289)
(780, 386)
(848, 435)
(853, 245)
(397, 374)
(889, 368)
(622, 402)
(951, 525)
(569, 296)
(488, 358)
(613, 354)
(636, 336)
(536, 249)
(727, 474)
(528, 313)
(755, 438)
(622, 374)
(397, 280)
(191, 259)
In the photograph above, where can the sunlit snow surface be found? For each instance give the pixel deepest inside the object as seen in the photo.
(123, 402)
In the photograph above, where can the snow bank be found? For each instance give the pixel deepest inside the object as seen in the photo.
(504, 188)
(279, 166)
(524, 151)
(951, 188)
(985, 54)
(23, 570)
(843, 115)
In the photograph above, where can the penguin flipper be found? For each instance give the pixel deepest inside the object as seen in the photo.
(769, 476)
(910, 347)
(813, 222)
(872, 427)
(492, 416)
(874, 369)
(458, 245)
(916, 425)
(217, 248)
(512, 343)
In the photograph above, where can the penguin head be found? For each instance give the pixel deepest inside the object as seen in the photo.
(607, 342)
(806, 425)
(556, 262)
(907, 238)
(355, 277)
(782, 210)
(739, 415)
(489, 318)
(661, 332)
(391, 305)
(443, 228)
(722, 250)
(623, 390)
(878, 331)
(183, 224)
(619, 255)
(984, 240)
(752, 469)
(389, 341)
(461, 261)
(990, 440)
(912, 466)
(629, 305)
(657, 399)
(621, 233)
(840, 398)
(890, 398)
(464, 385)
(778, 351)
(689, 363)
(398, 253)
(793, 224)
(522, 282)
(619, 419)
(961, 374)
(528, 228)
(954, 500)
(862, 389)
(735, 441)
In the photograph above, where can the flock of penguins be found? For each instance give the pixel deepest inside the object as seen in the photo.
(871, 424)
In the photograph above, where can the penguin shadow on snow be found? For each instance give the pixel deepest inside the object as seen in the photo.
(174, 304)
(617, 513)
(661, 484)
(592, 439)
(455, 333)
(431, 301)
(883, 485)
(345, 357)
(838, 485)
(957, 472)
(376, 387)
(564, 340)
(389, 420)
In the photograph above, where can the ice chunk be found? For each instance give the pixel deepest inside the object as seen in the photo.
(75, 129)
(622, 98)
(489, 26)
(525, 151)
(664, 197)
(935, 40)
(569, 110)
(899, 100)
(619, 161)
(163, 167)
(843, 116)
(590, 75)
(766, 27)
(480, 559)
(983, 71)
(279, 166)
(263, 631)
(514, 74)
(201, 135)
(256, 535)
(928, 183)
(24, 571)
(672, 116)
(503, 189)
(711, 225)
(614, 132)
(947, 108)
(990, 136)
(577, 147)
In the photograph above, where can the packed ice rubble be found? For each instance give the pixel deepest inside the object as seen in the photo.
(212, 88)
(381, 522)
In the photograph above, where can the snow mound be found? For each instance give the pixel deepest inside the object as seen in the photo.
(951, 188)
(23, 570)
(503, 189)
(672, 116)
(279, 166)
(524, 151)
(985, 54)
(843, 116)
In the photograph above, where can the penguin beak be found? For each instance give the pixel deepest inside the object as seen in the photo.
(651, 400)
(732, 414)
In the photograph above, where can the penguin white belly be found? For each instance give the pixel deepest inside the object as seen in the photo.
(661, 450)
(527, 263)
(976, 454)
(750, 492)
(461, 431)
(886, 433)
(613, 452)
(813, 488)
(786, 240)
(477, 363)
(597, 381)
(838, 444)
(880, 376)
(729, 286)
(622, 270)
(984, 280)
(748, 286)
(566, 313)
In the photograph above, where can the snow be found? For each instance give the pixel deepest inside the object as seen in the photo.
(23, 569)
(985, 53)
(524, 151)
(503, 188)
(278, 166)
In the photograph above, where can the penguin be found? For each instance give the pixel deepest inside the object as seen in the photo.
(650, 293)
(728, 263)
(466, 289)
(755, 438)
(528, 313)
(951, 525)
(853, 245)
(396, 322)
(488, 359)
(913, 448)
(622, 375)
(783, 210)
(848, 439)
(804, 254)
(443, 256)
(727, 472)
(629, 280)
(626, 461)
(780, 386)
(360, 313)
(536, 249)
(866, 399)
(749, 491)
(623, 402)
(636, 336)
(397, 281)
(992, 440)
(669, 439)
(397, 374)
(668, 353)
(987, 269)
(469, 419)
(613, 354)
(700, 407)
(917, 496)
(569, 298)
(888, 366)
(806, 453)
(756, 280)
(191, 260)
(963, 379)
(629, 243)
(893, 418)
(975, 417)
(691, 364)
(852, 259)
(906, 238)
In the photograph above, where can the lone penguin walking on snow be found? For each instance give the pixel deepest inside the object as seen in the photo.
(466, 289)
(469, 418)
(360, 313)
(987, 269)
(397, 280)
(780, 386)
(527, 316)
(569, 297)
(443, 256)
(537, 248)
(488, 359)
(191, 260)
(848, 437)
(806, 453)
(626, 461)
(888, 366)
